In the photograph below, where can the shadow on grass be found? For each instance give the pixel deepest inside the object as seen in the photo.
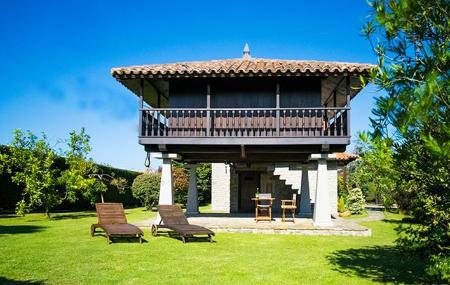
(121, 239)
(6, 281)
(72, 216)
(381, 264)
(20, 229)
(175, 235)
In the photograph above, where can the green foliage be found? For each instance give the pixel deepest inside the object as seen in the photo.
(76, 177)
(341, 204)
(375, 170)
(438, 266)
(180, 184)
(145, 188)
(356, 201)
(204, 183)
(31, 162)
(46, 178)
(412, 46)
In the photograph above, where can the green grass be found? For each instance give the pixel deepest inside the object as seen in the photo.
(61, 251)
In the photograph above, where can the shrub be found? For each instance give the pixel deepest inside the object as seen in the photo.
(355, 201)
(145, 188)
(180, 184)
(341, 205)
(439, 267)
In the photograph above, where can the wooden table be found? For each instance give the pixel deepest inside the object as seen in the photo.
(268, 216)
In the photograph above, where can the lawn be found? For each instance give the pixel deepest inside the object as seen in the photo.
(36, 250)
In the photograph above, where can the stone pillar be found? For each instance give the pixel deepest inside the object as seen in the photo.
(322, 206)
(305, 199)
(166, 187)
(220, 187)
(192, 199)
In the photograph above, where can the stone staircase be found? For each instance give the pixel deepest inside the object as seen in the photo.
(291, 178)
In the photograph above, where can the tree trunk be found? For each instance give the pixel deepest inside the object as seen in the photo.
(101, 196)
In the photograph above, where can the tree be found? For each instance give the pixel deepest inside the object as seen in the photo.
(31, 162)
(375, 170)
(412, 43)
(48, 177)
(356, 201)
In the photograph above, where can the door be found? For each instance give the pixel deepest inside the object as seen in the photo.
(248, 182)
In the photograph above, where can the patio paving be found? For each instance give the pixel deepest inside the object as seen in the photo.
(245, 223)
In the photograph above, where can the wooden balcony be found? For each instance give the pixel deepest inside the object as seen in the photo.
(245, 126)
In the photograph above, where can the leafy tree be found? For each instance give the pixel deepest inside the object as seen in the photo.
(50, 178)
(375, 170)
(75, 177)
(31, 162)
(412, 43)
(145, 188)
(356, 201)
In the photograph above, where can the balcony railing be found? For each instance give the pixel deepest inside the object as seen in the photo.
(245, 122)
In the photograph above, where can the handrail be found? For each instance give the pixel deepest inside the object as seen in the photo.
(245, 122)
(245, 109)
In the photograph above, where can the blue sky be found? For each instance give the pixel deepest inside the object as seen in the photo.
(55, 57)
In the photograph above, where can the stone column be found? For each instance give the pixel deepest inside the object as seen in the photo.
(192, 199)
(322, 206)
(305, 199)
(166, 187)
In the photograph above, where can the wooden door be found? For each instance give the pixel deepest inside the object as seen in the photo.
(248, 182)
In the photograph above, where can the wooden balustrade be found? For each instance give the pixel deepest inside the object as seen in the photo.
(245, 122)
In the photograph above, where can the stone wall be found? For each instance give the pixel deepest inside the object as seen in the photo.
(220, 187)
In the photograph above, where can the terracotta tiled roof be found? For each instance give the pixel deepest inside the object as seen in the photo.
(346, 156)
(240, 67)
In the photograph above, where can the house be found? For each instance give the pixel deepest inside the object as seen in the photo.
(250, 117)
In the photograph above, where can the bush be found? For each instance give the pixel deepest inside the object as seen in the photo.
(355, 201)
(439, 267)
(341, 205)
(180, 184)
(145, 188)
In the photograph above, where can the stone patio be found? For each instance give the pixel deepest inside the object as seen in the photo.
(245, 223)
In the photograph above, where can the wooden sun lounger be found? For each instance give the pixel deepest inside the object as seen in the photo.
(112, 219)
(173, 218)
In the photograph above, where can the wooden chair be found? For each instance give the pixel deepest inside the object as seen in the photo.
(173, 218)
(112, 220)
(290, 205)
(263, 205)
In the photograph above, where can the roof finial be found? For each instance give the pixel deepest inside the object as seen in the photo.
(246, 52)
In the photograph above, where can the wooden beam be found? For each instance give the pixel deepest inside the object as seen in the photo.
(334, 89)
(347, 91)
(157, 89)
(208, 107)
(277, 102)
(141, 104)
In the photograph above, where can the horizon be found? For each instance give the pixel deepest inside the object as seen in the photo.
(70, 85)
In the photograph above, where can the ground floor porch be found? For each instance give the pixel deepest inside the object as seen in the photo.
(234, 187)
